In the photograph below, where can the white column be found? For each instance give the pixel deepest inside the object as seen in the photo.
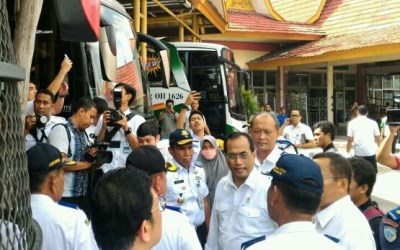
(281, 85)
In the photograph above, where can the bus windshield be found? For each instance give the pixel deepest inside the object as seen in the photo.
(233, 87)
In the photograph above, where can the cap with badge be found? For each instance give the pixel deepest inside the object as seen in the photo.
(147, 158)
(180, 137)
(44, 158)
(299, 172)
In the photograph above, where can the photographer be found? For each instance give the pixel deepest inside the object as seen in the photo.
(384, 155)
(168, 118)
(72, 141)
(118, 127)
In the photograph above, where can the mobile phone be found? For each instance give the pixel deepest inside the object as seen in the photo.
(66, 56)
(203, 94)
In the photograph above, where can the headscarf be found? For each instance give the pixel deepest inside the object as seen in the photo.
(215, 168)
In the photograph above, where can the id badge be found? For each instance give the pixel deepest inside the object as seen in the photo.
(126, 147)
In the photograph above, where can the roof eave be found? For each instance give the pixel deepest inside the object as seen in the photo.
(211, 14)
(343, 57)
(267, 36)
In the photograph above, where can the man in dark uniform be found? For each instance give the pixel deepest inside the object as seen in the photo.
(390, 231)
(361, 185)
(324, 134)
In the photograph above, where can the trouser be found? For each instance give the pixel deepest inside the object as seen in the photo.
(371, 159)
(82, 202)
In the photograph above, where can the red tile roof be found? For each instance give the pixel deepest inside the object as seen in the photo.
(349, 24)
(241, 21)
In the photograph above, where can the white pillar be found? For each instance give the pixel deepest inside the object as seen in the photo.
(281, 85)
(329, 96)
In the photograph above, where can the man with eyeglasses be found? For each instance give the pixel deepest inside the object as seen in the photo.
(338, 218)
(177, 233)
(186, 183)
(264, 129)
(296, 132)
(126, 212)
(240, 212)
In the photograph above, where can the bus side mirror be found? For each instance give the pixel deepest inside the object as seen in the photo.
(166, 66)
(108, 53)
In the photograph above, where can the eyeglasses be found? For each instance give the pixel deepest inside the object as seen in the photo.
(243, 156)
(162, 203)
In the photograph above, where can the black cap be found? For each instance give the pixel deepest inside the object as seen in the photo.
(43, 158)
(180, 137)
(298, 171)
(147, 158)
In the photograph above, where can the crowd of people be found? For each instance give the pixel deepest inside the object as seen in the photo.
(101, 180)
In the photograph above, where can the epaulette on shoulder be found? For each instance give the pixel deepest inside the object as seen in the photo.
(394, 214)
(70, 205)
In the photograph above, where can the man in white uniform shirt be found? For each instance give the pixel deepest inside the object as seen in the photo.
(239, 212)
(177, 233)
(63, 227)
(364, 132)
(338, 218)
(264, 128)
(296, 132)
(293, 200)
(39, 124)
(186, 183)
(122, 133)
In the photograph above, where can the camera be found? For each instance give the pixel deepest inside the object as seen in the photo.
(117, 94)
(102, 156)
(115, 116)
(393, 114)
(41, 121)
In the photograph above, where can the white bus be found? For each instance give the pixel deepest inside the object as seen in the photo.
(210, 69)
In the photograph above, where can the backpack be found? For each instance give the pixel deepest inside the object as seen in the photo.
(65, 125)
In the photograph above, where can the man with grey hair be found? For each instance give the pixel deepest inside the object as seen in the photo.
(264, 129)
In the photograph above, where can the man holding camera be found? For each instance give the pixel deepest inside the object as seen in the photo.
(168, 118)
(72, 141)
(39, 124)
(118, 127)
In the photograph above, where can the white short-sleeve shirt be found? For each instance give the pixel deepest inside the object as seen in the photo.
(363, 131)
(120, 154)
(344, 221)
(177, 233)
(62, 227)
(240, 214)
(190, 184)
(298, 134)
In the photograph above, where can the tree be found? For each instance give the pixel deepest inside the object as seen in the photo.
(27, 18)
(250, 103)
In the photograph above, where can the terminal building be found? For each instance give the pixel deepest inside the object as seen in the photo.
(319, 56)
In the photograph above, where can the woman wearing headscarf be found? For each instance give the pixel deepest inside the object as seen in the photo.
(214, 164)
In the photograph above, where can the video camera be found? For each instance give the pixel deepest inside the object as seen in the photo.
(102, 156)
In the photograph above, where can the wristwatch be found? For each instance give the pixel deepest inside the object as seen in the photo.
(128, 131)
